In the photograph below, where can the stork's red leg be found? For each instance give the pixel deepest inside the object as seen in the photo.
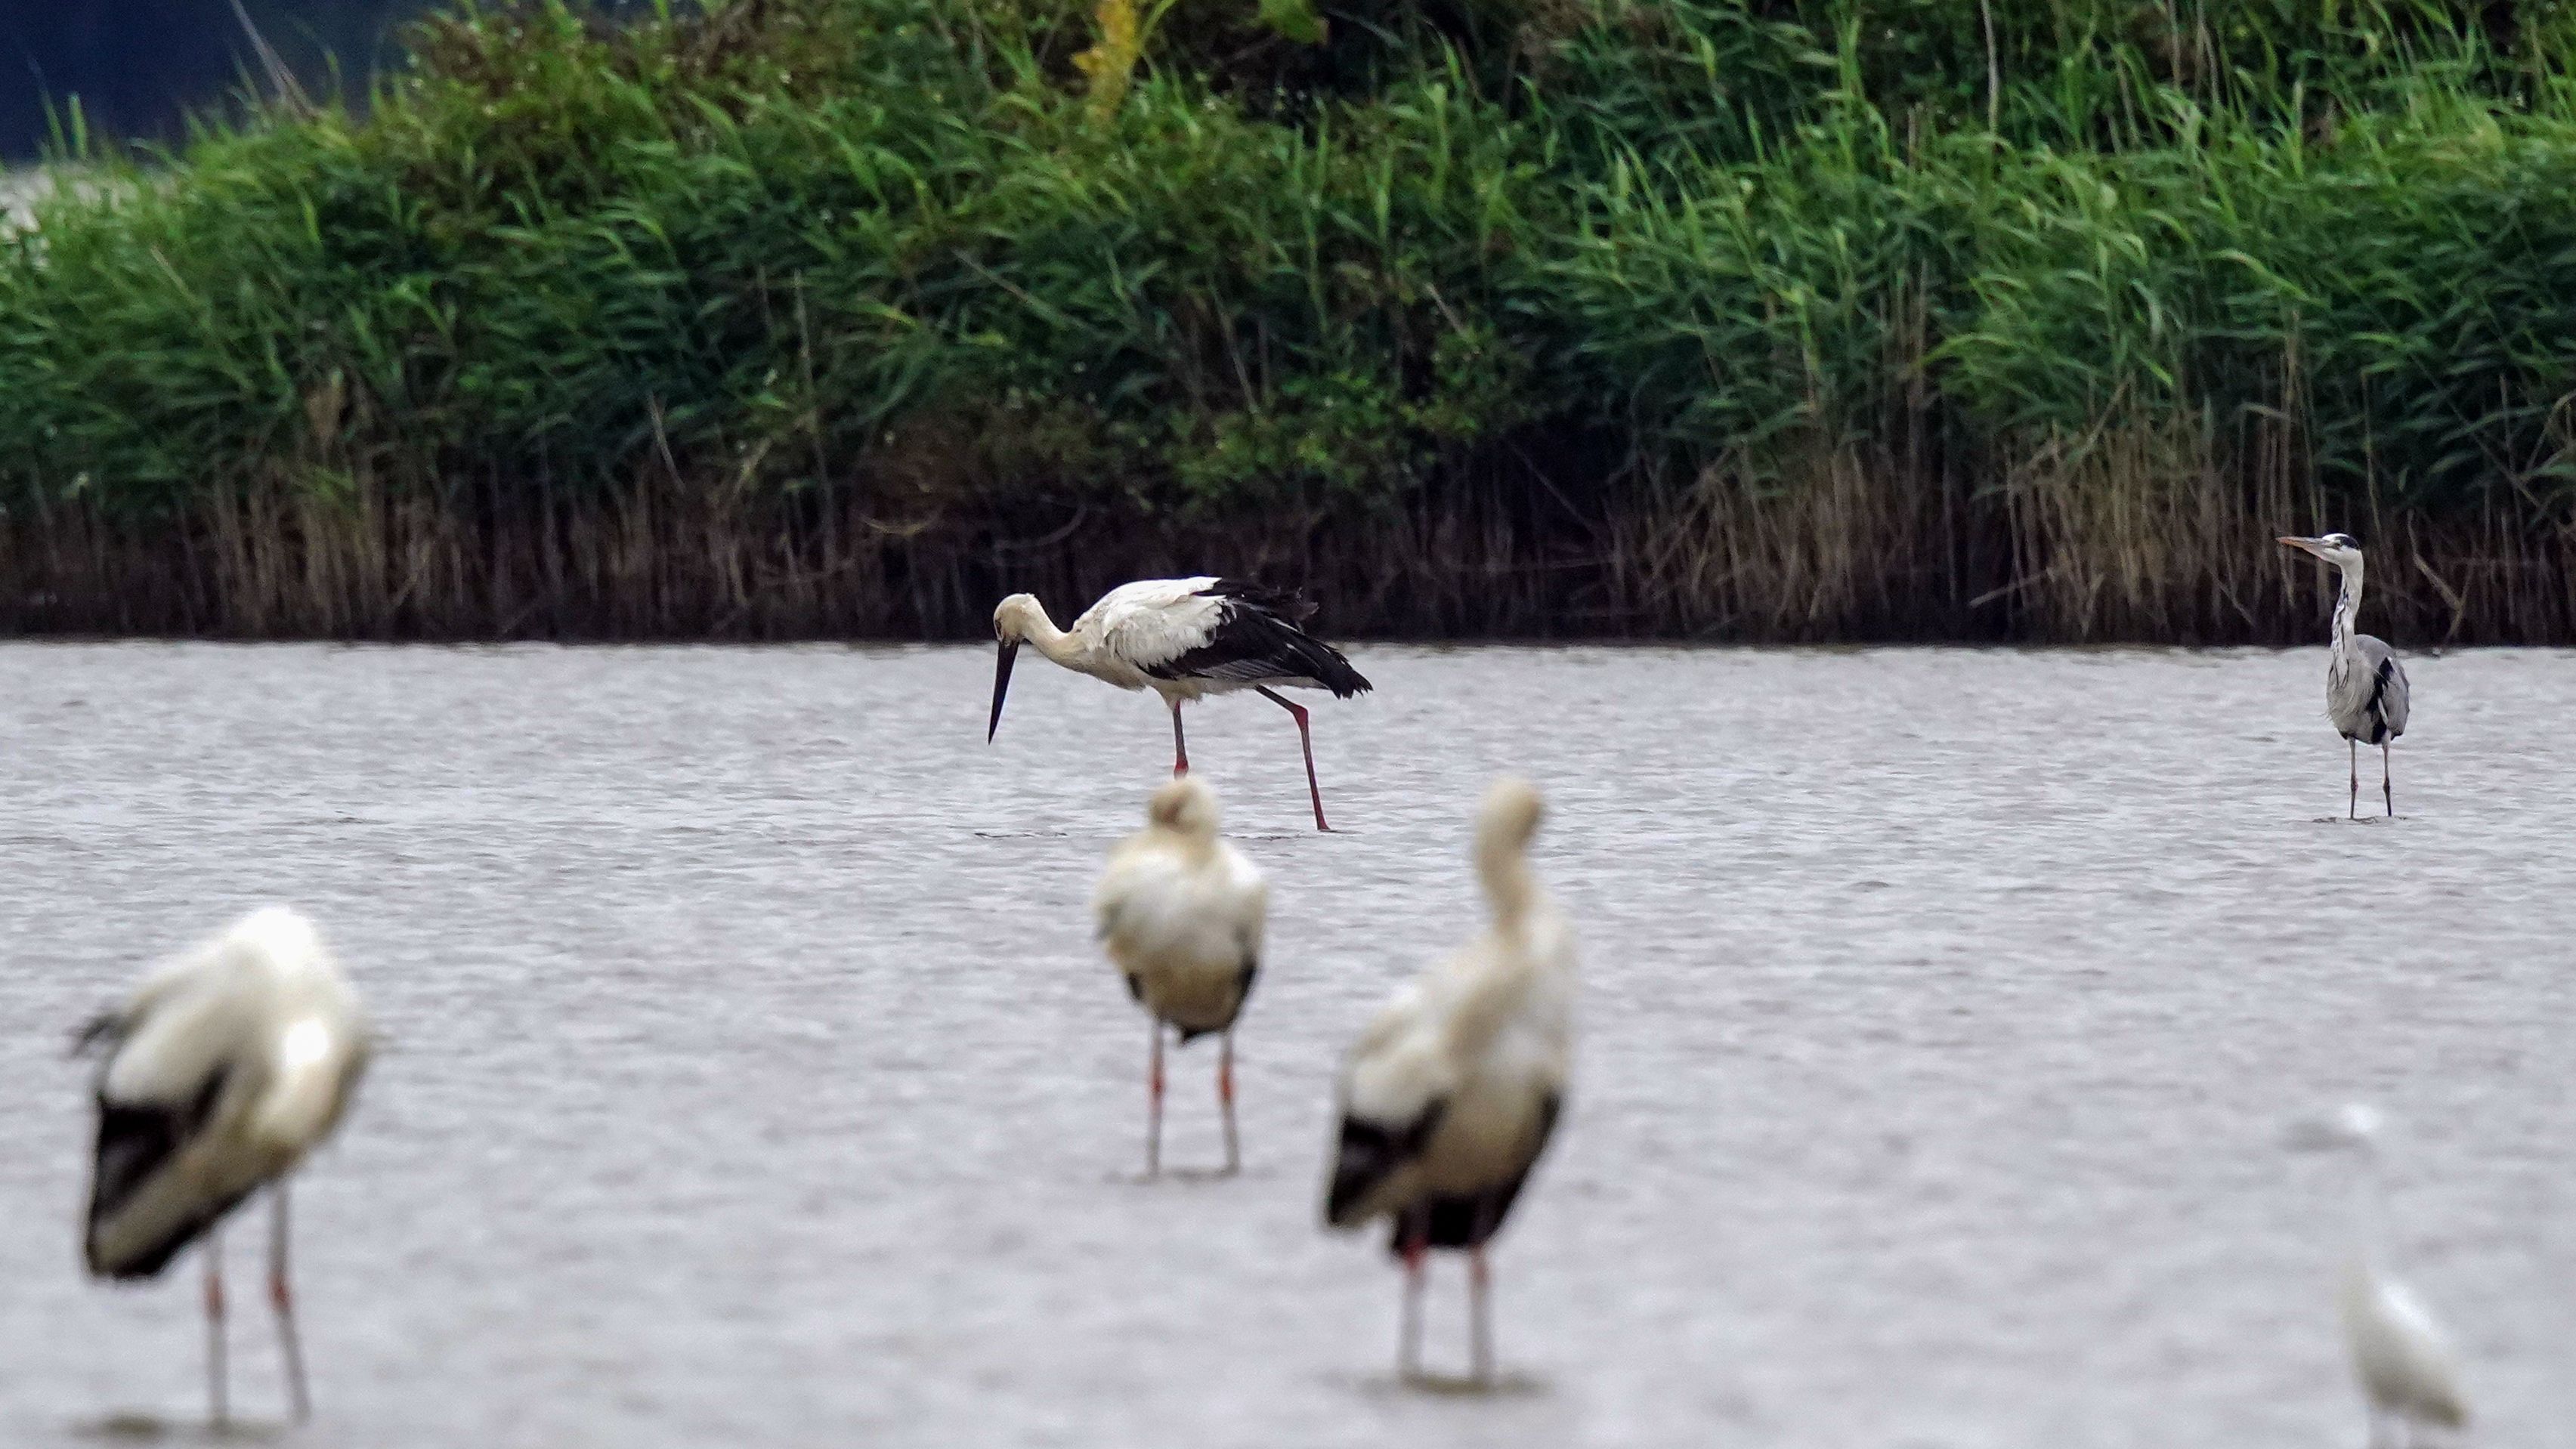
(1154, 1103)
(1180, 750)
(1480, 1310)
(215, 1373)
(281, 1298)
(1408, 1346)
(1305, 742)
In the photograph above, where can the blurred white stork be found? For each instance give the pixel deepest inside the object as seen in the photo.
(1451, 1094)
(221, 1072)
(1184, 639)
(2409, 1373)
(1180, 913)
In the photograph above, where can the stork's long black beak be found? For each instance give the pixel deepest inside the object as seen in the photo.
(1001, 684)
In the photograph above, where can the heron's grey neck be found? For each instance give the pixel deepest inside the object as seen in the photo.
(2347, 607)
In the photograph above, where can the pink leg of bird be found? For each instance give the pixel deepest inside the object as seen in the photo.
(1154, 1105)
(1408, 1346)
(281, 1297)
(1225, 1098)
(1480, 1322)
(1180, 750)
(215, 1386)
(1305, 742)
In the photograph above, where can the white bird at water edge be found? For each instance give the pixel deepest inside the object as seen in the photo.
(2367, 697)
(1451, 1094)
(2409, 1373)
(222, 1071)
(1185, 639)
(1180, 913)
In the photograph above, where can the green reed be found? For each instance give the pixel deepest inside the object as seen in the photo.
(2025, 318)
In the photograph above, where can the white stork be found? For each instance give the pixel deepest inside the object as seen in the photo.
(2409, 1373)
(1450, 1095)
(221, 1072)
(1180, 913)
(1185, 638)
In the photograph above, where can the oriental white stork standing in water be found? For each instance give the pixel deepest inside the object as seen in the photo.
(1180, 913)
(2409, 1373)
(1450, 1095)
(221, 1072)
(1185, 638)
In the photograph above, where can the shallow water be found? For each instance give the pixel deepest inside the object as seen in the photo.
(749, 1076)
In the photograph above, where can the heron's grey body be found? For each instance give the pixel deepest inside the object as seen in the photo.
(2367, 697)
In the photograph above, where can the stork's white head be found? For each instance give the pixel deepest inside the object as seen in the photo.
(2339, 549)
(2354, 1126)
(1013, 616)
(1014, 619)
(1186, 806)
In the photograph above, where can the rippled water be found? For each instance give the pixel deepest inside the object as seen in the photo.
(750, 1077)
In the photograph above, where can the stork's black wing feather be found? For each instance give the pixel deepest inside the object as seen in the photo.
(1257, 641)
(135, 1141)
(1369, 1151)
(1468, 1221)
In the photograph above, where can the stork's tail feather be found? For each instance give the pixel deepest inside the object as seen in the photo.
(1504, 825)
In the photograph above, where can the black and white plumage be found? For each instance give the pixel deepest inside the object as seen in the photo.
(2367, 696)
(1180, 913)
(221, 1072)
(1453, 1091)
(1185, 639)
(2408, 1371)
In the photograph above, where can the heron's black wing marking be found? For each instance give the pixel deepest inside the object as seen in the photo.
(1257, 641)
(1468, 1221)
(135, 1141)
(1369, 1151)
(2377, 708)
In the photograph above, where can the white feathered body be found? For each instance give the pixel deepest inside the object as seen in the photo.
(1452, 1091)
(1181, 915)
(225, 1068)
(2403, 1358)
(1150, 622)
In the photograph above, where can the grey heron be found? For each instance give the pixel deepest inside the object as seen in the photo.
(1452, 1092)
(222, 1071)
(1180, 913)
(1185, 639)
(2366, 692)
(2408, 1371)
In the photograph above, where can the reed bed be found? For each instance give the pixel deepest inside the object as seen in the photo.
(2025, 319)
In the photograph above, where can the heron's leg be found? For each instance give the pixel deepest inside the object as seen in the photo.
(215, 1386)
(1225, 1098)
(1180, 750)
(1480, 1315)
(1408, 1343)
(281, 1297)
(1305, 742)
(1154, 1101)
(2352, 806)
(2386, 793)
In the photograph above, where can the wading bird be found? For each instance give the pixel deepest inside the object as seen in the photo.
(221, 1072)
(2366, 694)
(1450, 1094)
(1184, 638)
(1180, 913)
(2410, 1377)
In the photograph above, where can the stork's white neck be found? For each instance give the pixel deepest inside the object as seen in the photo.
(1040, 631)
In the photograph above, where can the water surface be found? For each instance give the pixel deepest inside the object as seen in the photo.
(750, 1076)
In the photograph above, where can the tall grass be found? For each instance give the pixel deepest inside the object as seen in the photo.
(1712, 317)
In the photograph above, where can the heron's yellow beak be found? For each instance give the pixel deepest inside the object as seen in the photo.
(2304, 545)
